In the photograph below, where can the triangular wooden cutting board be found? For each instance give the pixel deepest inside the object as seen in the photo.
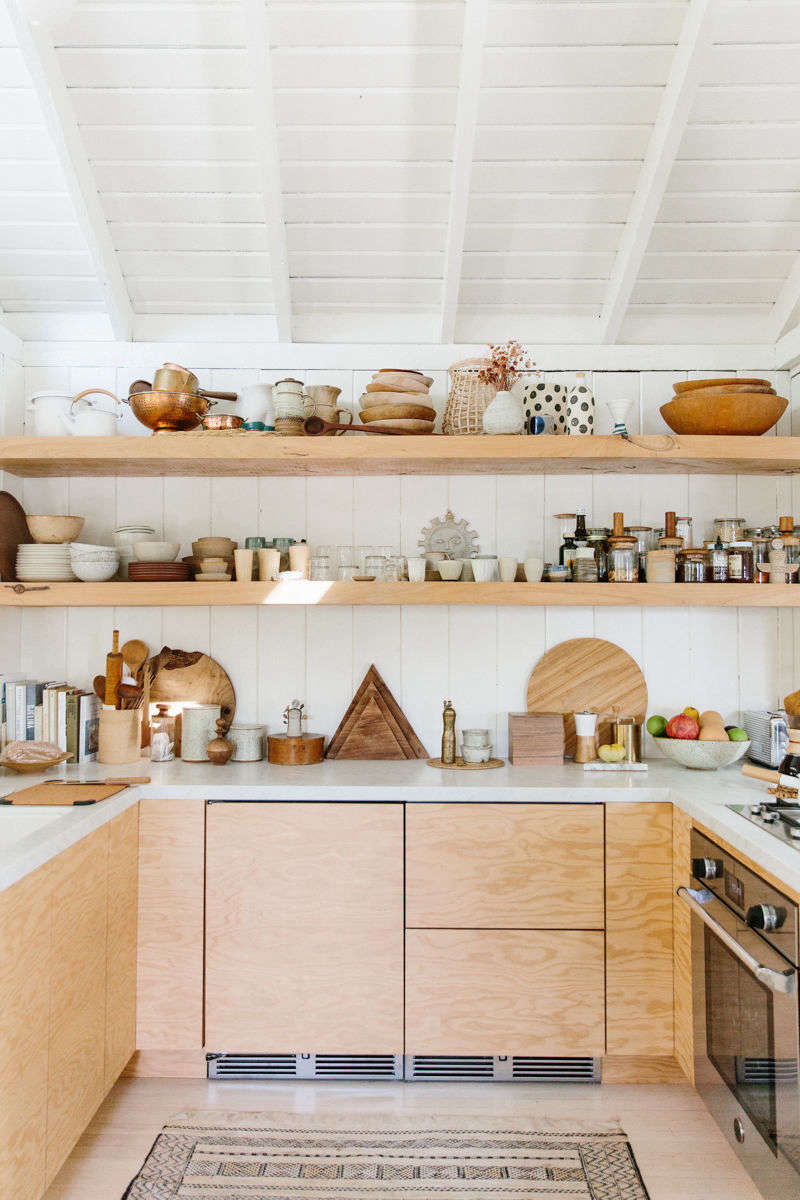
(375, 726)
(591, 674)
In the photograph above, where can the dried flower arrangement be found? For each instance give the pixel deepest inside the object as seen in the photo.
(506, 364)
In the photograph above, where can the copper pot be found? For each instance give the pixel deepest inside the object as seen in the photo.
(168, 411)
(222, 421)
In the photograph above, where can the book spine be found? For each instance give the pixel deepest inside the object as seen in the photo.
(62, 720)
(21, 708)
(38, 723)
(73, 704)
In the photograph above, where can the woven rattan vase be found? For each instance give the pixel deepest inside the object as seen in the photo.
(468, 397)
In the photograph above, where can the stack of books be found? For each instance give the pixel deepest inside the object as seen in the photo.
(50, 712)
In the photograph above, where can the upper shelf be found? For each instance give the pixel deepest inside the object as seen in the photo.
(354, 454)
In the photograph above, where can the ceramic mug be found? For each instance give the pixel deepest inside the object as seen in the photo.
(416, 569)
(269, 563)
(483, 569)
(475, 737)
(334, 416)
(508, 568)
(533, 569)
(255, 405)
(244, 565)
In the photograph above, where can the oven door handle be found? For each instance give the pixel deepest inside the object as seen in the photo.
(776, 981)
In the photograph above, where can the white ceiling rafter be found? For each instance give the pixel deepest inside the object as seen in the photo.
(679, 92)
(476, 15)
(786, 302)
(259, 59)
(37, 49)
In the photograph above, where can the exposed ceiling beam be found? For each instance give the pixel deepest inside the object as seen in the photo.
(36, 46)
(787, 350)
(476, 14)
(788, 298)
(260, 65)
(673, 113)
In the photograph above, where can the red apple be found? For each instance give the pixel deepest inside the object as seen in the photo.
(683, 727)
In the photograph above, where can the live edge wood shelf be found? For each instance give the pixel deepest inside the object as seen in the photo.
(203, 454)
(632, 595)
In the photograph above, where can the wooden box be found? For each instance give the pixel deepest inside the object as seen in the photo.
(535, 738)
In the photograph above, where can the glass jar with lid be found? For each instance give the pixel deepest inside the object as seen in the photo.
(692, 565)
(718, 562)
(598, 540)
(162, 735)
(740, 562)
(761, 539)
(728, 529)
(645, 541)
(623, 560)
(683, 529)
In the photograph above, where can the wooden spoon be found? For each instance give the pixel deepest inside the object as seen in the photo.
(134, 655)
(126, 691)
(315, 426)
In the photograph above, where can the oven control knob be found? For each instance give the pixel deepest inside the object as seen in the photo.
(766, 917)
(707, 868)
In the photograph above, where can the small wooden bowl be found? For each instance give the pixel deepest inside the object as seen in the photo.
(738, 414)
(384, 412)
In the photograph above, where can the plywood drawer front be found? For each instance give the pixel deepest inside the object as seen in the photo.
(481, 991)
(512, 866)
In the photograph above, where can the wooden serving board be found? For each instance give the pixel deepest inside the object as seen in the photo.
(14, 532)
(591, 674)
(181, 676)
(64, 794)
(374, 726)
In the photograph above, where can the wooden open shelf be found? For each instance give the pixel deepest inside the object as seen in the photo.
(632, 595)
(204, 454)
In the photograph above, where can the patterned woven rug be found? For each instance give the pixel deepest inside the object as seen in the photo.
(209, 1155)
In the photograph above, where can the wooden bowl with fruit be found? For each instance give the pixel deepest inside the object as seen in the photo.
(699, 741)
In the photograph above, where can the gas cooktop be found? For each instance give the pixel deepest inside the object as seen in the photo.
(781, 818)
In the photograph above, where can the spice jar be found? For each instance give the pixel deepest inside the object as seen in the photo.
(162, 735)
(740, 562)
(598, 540)
(623, 560)
(728, 529)
(692, 565)
(683, 529)
(718, 562)
(661, 566)
(645, 542)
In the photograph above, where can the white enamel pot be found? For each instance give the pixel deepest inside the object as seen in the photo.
(86, 419)
(47, 409)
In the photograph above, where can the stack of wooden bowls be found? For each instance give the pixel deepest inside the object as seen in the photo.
(732, 407)
(397, 399)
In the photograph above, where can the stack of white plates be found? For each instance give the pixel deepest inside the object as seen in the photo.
(40, 562)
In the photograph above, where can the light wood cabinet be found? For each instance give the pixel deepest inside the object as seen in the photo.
(169, 1011)
(512, 866)
(304, 928)
(25, 914)
(481, 991)
(76, 1074)
(639, 954)
(123, 874)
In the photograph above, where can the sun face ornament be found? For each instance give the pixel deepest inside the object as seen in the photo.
(448, 536)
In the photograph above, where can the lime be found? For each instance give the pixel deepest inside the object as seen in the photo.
(656, 726)
(737, 735)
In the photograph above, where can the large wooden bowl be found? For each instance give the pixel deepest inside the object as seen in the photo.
(732, 414)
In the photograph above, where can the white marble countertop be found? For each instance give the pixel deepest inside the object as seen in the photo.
(29, 837)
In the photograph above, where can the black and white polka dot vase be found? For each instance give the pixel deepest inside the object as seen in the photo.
(580, 410)
(548, 401)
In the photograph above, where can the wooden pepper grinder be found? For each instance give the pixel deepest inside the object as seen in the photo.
(585, 736)
(449, 734)
(219, 749)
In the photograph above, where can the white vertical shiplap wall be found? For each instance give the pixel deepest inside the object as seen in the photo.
(481, 657)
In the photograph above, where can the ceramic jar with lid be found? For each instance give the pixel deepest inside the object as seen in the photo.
(198, 727)
(248, 742)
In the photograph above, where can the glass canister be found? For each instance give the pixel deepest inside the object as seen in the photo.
(162, 735)
(598, 540)
(791, 545)
(683, 529)
(718, 561)
(728, 529)
(623, 560)
(692, 565)
(761, 538)
(645, 541)
(740, 562)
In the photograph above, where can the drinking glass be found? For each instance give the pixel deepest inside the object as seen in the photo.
(374, 564)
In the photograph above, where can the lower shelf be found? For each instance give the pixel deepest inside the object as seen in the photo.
(556, 595)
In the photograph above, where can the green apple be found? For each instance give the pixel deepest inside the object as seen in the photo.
(656, 726)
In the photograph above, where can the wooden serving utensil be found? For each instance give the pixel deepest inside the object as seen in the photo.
(134, 655)
(315, 427)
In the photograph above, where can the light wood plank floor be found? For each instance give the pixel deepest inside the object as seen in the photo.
(677, 1145)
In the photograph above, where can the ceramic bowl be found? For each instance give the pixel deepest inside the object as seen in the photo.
(157, 551)
(475, 737)
(476, 754)
(91, 571)
(450, 568)
(213, 547)
(53, 529)
(701, 756)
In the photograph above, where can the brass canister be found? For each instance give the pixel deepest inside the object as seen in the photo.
(627, 732)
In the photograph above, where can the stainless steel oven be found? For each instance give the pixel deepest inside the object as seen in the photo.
(745, 999)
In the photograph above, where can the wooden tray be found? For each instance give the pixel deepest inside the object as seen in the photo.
(460, 765)
(14, 532)
(64, 793)
(591, 674)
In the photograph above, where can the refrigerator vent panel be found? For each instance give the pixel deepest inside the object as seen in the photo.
(502, 1068)
(305, 1066)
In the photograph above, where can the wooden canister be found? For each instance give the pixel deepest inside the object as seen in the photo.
(285, 751)
(119, 735)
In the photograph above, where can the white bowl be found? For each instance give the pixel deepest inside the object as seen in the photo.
(95, 572)
(90, 548)
(701, 756)
(156, 551)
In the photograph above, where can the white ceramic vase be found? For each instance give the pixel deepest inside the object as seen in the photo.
(504, 414)
(580, 409)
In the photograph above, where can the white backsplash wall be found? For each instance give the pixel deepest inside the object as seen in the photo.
(480, 657)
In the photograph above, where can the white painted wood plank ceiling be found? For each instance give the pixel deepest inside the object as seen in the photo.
(566, 170)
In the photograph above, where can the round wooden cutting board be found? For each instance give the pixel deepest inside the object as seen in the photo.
(591, 674)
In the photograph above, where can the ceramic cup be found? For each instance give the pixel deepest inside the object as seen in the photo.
(533, 569)
(483, 569)
(450, 569)
(244, 565)
(476, 754)
(475, 737)
(508, 568)
(416, 570)
(256, 406)
(334, 416)
(269, 563)
(299, 558)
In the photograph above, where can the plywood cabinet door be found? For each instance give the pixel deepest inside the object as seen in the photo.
(25, 910)
(485, 991)
(304, 928)
(123, 872)
(76, 1075)
(504, 866)
(169, 1006)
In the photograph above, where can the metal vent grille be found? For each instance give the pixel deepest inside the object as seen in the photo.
(305, 1066)
(502, 1068)
(766, 1071)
